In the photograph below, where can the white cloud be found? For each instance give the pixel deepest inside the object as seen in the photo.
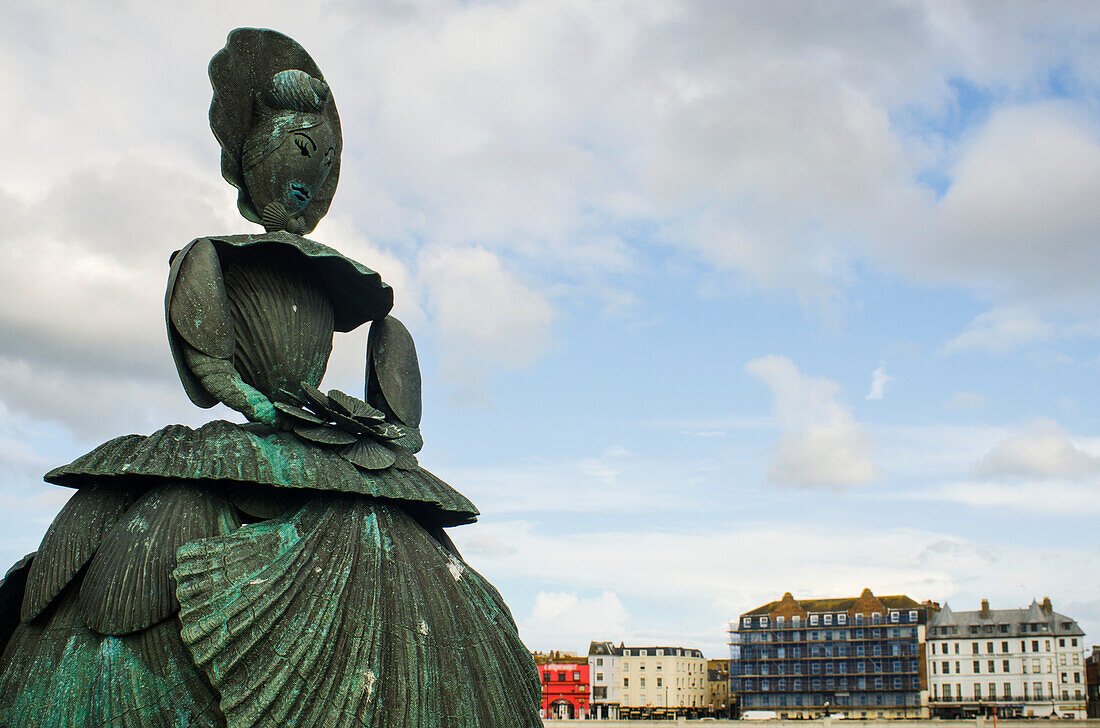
(1044, 496)
(564, 618)
(879, 380)
(486, 316)
(965, 401)
(822, 445)
(1000, 331)
(1044, 451)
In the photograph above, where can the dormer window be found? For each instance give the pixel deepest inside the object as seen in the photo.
(813, 619)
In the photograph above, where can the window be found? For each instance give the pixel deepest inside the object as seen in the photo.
(912, 615)
(974, 648)
(1037, 690)
(599, 676)
(1076, 677)
(626, 682)
(894, 616)
(992, 691)
(778, 623)
(1004, 665)
(599, 662)
(1073, 642)
(659, 682)
(1034, 645)
(1004, 647)
(796, 621)
(576, 676)
(946, 692)
(989, 648)
(746, 621)
(763, 621)
(1046, 645)
(641, 683)
(977, 667)
(977, 691)
(1008, 690)
(991, 667)
(813, 619)
(956, 648)
(1061, 641)
(843, 619)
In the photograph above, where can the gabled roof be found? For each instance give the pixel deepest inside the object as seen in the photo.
(604, 648)
(842, 604)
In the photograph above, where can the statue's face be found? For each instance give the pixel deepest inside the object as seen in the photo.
(295, 171)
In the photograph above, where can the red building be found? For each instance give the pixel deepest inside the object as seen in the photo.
(565, 685)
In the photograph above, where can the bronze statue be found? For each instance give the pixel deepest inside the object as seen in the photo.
(293, 570)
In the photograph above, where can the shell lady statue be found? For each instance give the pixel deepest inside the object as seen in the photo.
(293, 570)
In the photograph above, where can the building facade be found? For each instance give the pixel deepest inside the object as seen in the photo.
(565, 685)
(857, 657)
(605, 667)
(1024, 662)
(1092, 683)
(718, 689)
(661, 682)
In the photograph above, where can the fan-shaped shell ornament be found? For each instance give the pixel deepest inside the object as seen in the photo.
(369, 455)
(392, 366)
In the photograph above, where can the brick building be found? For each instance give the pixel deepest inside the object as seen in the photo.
(855, 657)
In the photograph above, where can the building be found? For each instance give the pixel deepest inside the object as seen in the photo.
(856, 657)
(565, 684)
(662, 682)
(1092, 683)
(718, 688)
(604, 665)
(1025, 662)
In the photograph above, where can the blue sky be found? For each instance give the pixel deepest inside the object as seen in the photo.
(713, 300)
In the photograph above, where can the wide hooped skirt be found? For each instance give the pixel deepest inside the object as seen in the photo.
(149, 604)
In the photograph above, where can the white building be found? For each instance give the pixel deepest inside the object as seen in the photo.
(1025, 662)
(657, 681)
(605, 676)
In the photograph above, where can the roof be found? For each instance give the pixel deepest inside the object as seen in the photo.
(604, 648)
(1033, 614)
(840, 604)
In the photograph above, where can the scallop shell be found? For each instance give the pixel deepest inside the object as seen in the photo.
(369, 455)
(353, 406)
(316, 399)
(392, 364)
(299, 414)
(325, 435)
(386, 431)
(404, 460)
(348, 614)
(70, 543)
(275, 217)
(129, 584)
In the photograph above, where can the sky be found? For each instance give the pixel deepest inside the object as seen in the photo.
(713, 300)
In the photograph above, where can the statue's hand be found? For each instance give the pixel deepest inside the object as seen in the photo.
(261, 409)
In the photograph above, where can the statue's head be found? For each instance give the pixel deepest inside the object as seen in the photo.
(275, 118)
(290, 151)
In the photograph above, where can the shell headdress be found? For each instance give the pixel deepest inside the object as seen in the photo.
(257, 72)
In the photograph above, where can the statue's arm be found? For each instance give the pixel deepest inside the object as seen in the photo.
(199, 314)
(224, 383)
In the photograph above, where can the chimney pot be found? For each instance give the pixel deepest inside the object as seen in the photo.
(985, 609)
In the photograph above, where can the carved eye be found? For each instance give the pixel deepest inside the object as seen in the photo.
(302, 147)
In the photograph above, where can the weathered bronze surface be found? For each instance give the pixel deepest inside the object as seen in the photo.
(293, 570)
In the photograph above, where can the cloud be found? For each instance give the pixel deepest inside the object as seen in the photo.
(1045, 496)
(879, 380)
(822, 445)
(965, 401)
(1044, 451)
(564, 618)
(663, 578)
(1000, 331)
(486, 316)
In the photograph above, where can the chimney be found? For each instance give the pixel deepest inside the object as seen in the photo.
(985, 609)
(1048, 608)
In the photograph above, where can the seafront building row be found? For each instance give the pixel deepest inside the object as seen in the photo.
(852, 657)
